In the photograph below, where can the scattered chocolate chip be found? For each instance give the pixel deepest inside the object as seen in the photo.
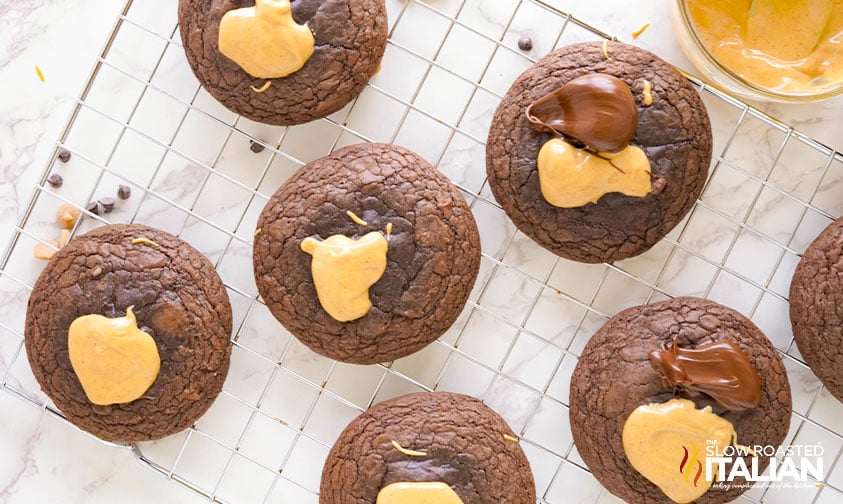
(64, 155)
(55, 180)
(107, 203)
(124, 191)
(93, 207)
(256, 146)
(525, 43)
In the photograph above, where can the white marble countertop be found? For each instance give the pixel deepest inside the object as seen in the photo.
(45, 460)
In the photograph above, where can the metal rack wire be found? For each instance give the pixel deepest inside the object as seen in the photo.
(265, 438)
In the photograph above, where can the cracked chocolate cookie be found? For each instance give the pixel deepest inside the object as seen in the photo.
(661, 387)
(816, 293)
(598, 150)
(283, 62)
(128, 332)
(367, 254)
(444, 447)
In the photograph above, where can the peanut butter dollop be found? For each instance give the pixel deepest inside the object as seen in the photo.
(571, 177)
(265, 40)
(668, 444)
(114, 360)
(343, 269)
(418, 493)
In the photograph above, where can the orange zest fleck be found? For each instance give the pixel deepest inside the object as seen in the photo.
(39, 72)
(639, 31)
(262, 88)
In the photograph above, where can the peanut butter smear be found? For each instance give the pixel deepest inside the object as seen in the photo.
(115, 361)
(265, 40)
(668, 444)
(418, 493)
(791, 46)
(571, 177)
(343, 269)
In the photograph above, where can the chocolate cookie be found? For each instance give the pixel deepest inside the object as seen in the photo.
(617, 374)
(395, 202)
(816, 293)
(177, 299)
(441, 438)
(673, 131)
(347, 43)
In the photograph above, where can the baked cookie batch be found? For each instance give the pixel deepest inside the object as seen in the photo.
(369, 254)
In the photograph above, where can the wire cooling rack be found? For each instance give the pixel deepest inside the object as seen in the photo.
(143, 121)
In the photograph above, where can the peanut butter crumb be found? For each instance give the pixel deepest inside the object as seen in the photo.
(146, 241)
(409, 453)
(647, 93)
(357, 220)
(639, 31)
(66, 215)
(45, 252)
(606, 49)
(262, 88)
(64, 238)
(510, 438)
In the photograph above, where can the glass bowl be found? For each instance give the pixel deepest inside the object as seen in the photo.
(726, 78)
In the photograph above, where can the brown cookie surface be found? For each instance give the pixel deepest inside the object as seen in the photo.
(463, 445)
(816, 294)
(614, 376)
(178, 299)
(674, 132)
(350, 38)
(433, 253)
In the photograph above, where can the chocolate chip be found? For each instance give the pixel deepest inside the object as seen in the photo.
(107, 203)
(93, 207)
(525, 43)
(256, 146)
(55, 180)
(64, 155)
(124, 191)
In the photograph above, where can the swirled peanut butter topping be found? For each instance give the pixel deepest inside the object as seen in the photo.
(791, 46)
(343, 269)
(418, 493)
(571, 177)
(719, 369)
(668, 444)
(596, 109)
(114, 360)
(265, 40)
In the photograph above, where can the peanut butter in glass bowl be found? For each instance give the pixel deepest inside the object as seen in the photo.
(776, 50)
